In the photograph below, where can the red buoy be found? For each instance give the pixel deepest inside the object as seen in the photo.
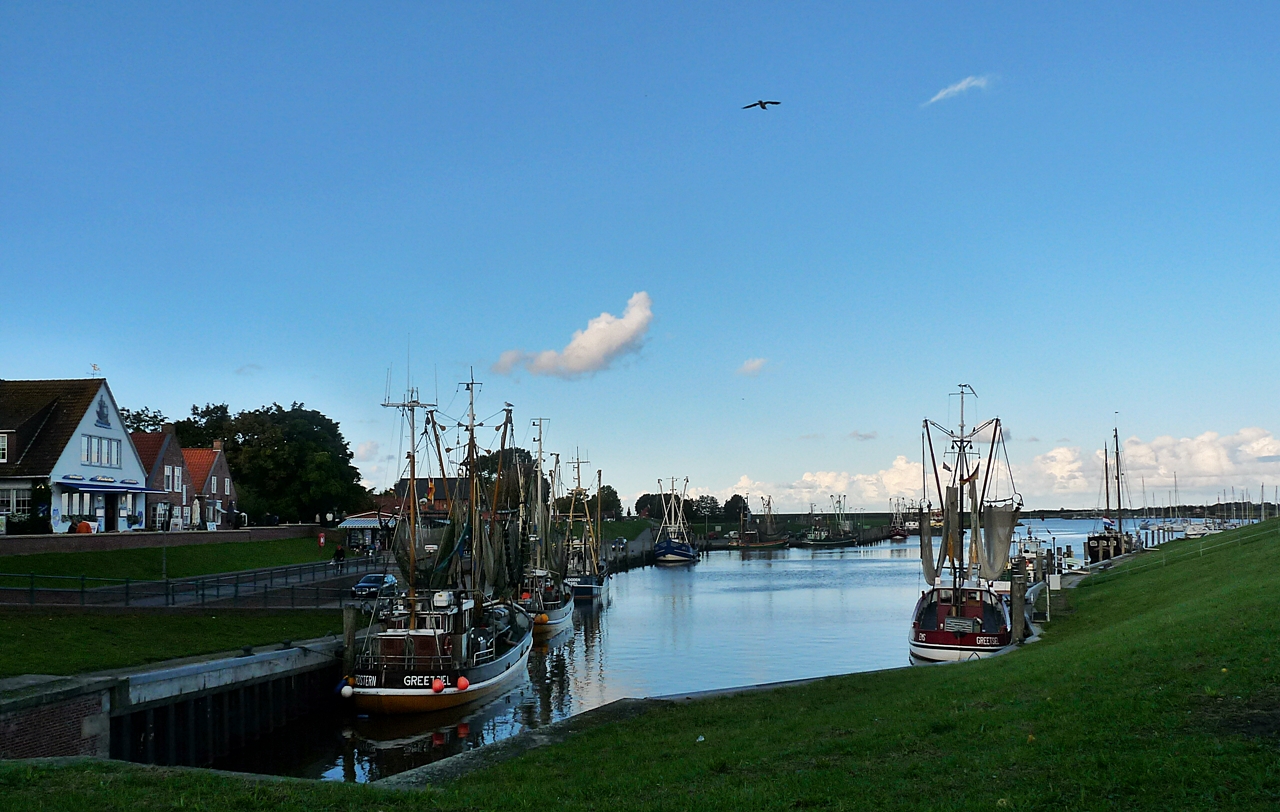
(464, 730)
(463, 683)
(437, 685)
(437, 739)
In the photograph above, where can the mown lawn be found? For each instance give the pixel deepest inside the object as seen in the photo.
(1157, 692)
(183, 562)
(76, 642)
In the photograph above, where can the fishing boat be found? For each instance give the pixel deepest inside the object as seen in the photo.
(672, 544)
(1111, 540)
(457, 636)
(965, 612)
(544, 591)
(898, 524)
(835, 531)
(764, 535)
(588, 576)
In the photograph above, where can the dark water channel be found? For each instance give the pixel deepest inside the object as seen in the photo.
(733, 619)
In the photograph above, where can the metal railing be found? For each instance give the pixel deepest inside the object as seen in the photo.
(272, 587)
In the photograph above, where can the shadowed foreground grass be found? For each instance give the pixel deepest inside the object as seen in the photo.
(183, 562)
(75, 642)
(1158, 692)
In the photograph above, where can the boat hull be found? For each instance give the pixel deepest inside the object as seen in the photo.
(668, 551)
(418, 700)
(555, 619)
(948, 647)
(587, 588)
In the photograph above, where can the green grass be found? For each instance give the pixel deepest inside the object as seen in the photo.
(183, 562)
(624, 528)
(76, 643)
(1158, 691)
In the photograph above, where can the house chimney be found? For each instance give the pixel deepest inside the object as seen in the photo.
(217, 445)
(167, 428)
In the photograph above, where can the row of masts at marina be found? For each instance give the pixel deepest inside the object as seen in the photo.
(498, 559)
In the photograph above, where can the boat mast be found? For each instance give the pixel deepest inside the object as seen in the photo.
(410, 406)
(1119, 498)
(473, 510)
(544, 556)
(1106, 483)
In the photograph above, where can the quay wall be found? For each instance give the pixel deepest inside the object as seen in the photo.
(96, 542)
(51, 717)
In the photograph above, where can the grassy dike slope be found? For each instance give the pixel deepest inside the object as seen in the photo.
(1157, 692)
(186, 561)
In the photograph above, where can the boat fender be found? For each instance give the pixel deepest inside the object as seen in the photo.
(437, 685)
(542, 618)
(347, 691)
(463, 684)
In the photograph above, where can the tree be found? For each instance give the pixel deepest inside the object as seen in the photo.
(609, 497)
(707, 506)
(733, 507)
(212, 422)
(143, 419)
(650, 505)
(293, 463)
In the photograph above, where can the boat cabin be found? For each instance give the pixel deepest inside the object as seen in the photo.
(968, 610)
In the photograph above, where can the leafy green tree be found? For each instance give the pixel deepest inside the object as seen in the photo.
(206, 424)
(733, 507)
(143, 419)
(707, 506)
(649, 504)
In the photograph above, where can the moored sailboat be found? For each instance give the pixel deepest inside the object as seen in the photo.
(544, 591)
(965, 612)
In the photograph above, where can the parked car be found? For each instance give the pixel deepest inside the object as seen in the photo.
(374, 586)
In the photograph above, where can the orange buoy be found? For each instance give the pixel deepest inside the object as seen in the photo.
(542, 618)
(437, 685)
(463, 683)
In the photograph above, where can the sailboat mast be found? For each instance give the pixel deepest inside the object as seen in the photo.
(1119, 498)
(473, 510)
(410, 406)
(1106, 481)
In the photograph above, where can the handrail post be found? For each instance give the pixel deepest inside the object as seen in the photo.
(82, 590)
(31, 592)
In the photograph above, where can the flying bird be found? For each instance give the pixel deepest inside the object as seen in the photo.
(762, 104)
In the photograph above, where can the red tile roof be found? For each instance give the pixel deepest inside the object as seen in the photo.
(199, 463)
(149, 445)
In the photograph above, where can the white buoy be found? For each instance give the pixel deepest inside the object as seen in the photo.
(346, 692)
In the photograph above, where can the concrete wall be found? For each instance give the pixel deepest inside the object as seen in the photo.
(92, 542)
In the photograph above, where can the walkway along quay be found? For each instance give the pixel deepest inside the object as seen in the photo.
(184, 712)
(295, 585)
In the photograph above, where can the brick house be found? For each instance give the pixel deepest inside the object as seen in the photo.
(169, 507)
(66, 436)
(213, 503)
(433, 492)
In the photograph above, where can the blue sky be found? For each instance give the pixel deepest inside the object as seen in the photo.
(250, 203)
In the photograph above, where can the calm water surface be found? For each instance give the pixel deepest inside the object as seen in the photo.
(733, 619)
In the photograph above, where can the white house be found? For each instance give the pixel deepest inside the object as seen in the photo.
(67, 436)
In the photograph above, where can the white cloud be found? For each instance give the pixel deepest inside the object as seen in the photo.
(862, 436)
(962, 86)
(1055, 472)
(752, 366)
(593, 349)
(902, 478)
(367, 451)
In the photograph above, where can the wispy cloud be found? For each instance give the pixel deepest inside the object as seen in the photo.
(862, 436)
(963, 86)
(818, 436)
(367, 451)
(752, 366)
(248, 369)
(593, 349)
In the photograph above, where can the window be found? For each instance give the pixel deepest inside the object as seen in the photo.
(101, 451)
(22, 502)
(66, 505)
(214, 487)
(177, 481)
(6, 501)
(4, 448)
(168, 478)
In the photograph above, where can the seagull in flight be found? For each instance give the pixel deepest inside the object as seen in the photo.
(762, 104)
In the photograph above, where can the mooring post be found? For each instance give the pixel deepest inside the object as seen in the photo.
(350, 617)
(1017, 598)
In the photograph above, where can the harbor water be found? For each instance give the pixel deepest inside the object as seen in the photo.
(733, 619)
